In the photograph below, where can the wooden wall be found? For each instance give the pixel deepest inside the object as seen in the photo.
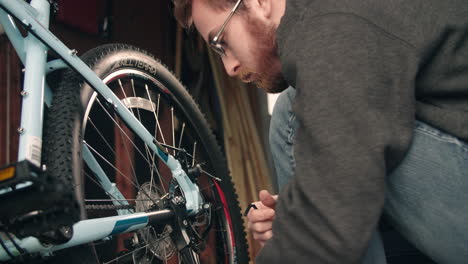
(10, 80)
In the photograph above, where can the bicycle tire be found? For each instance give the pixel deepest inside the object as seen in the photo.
(70, 123)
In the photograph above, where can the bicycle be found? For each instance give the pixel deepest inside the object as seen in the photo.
(130, 168)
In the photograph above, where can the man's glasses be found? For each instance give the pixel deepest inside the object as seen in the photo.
(215, 42)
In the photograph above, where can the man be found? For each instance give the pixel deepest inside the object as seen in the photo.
(364, 72)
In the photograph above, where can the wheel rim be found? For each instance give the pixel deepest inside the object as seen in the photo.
(131, 165)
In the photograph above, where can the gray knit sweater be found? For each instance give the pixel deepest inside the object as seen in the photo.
(364, 70)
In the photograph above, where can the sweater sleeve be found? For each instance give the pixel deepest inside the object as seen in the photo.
(355, 108)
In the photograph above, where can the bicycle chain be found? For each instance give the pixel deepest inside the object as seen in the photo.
(108, 207)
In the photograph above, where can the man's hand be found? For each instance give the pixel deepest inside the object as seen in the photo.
(260, 221)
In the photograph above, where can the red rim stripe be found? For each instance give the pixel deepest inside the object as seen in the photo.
(228, 215)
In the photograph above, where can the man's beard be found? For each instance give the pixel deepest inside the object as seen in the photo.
(267, 74)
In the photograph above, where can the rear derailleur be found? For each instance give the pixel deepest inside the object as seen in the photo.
(163, 240)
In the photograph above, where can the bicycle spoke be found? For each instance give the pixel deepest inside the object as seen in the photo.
(173, 129)
(157, 128)
(155, 169)
(114, 199)
(117, 170)
(121, 129)
(194, 152)
(139, 115)
(123, 141)
(110, 164)
(102, 136)
(155, 138)
(148, 152)
(124, 255)
(181, 134)
(156, 114)
(130, 159)
(121, 88)
(134, 93)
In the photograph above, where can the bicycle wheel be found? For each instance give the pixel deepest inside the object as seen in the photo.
(164, 108)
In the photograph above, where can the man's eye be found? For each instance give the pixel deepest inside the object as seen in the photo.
(223, 43)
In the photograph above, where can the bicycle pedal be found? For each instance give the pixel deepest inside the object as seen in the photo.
(32, 203)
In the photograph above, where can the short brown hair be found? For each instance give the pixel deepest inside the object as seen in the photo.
(183, 9)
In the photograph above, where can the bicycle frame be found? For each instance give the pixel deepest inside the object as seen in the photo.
(32, 51)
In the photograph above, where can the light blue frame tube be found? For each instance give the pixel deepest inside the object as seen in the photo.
(18, 41)
(13, 34)
(32, 114)
(84, 232)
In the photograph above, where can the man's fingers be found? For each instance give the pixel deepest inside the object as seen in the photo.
(267, 199)
(260, 227)
(260, 220)
(260, 215)
(263, 237)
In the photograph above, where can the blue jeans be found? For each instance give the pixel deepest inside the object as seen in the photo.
(427, 195)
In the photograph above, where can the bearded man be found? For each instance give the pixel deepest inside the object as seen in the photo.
(381, 102)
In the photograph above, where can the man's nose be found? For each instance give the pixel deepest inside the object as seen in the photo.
(232, 65)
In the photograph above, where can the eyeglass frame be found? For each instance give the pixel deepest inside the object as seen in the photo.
(214, 43)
